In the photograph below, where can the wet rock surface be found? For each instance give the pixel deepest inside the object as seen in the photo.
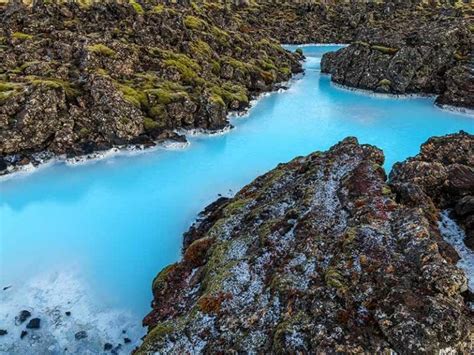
(78, 78)
(321, 254)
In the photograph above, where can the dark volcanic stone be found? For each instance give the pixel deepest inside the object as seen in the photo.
(320, 255)
(22, 316)
(3, 332)
(127, 340)
(108, 346)
(67, 313)
(23, 334)
(34, 323)
(80, 335)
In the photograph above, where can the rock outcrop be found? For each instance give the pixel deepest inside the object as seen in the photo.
(77, 78)
(441, 175)
(320, 255)
(429, 56)
(80, 76)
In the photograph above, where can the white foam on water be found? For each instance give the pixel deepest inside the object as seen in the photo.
(48, 297)
(454, 235)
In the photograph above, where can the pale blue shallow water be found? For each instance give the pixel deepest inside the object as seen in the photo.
(117, 222)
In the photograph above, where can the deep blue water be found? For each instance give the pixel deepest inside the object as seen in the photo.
(115, 223)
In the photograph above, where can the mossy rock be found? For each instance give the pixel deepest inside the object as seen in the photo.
(334, 278)
(161, 280)
(201, 49)
(101, 49)
(236, 207)
(158, 9)
(70, 89)
(154, 336)
(385, 50)
(137, 7)
(84, 132)
(21, 36)
(135, 97)
(150, 125)
(195, 23)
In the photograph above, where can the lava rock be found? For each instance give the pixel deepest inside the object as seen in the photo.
(317, 252)
(108, 346)
(126, 340)
(80, 335)
(3, 332)
(23, 334)
(67, 313)
(34, 323)
(22, 317)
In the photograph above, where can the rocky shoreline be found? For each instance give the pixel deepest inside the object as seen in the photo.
(432, 57)
(138, 84)
(324, 254)
(82, 77)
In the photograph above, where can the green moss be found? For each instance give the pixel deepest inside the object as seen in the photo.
(159, 332)
(194, 23)
(3, 40)
(361, 43)
(266, 64)
(386, 190)
(7, 86)
(157, 111)
(384, 82)
(186, 66)
(158, 9)
(236, 206)
(385, 50)
(84, 132)
(333, 278)
(187, 73)
(299, 51)
(160, 280)
(150, 124)
(133, 96)
(216, 67)
(102, 50)
(217, 99)
(201, 49)
(220, 35)
(265, 43)
(70, 90)
(22, 67)
(460, 57)
(22, 36)
(165, 96)
(231, 92)
(137, 7)
(285, 70)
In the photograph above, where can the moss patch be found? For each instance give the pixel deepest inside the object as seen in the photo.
(101, 49)
(22, 36)
(385, 50)
(194, 23)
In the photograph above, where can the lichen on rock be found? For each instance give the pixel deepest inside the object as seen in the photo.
(318, 255)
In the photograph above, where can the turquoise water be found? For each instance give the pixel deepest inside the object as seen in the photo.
(115, 223)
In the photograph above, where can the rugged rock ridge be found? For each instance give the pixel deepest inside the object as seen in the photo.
(316, 255)
(441, 175)
(76, 79)
(429, 57)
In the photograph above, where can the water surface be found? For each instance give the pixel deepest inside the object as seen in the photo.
(96, 234)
